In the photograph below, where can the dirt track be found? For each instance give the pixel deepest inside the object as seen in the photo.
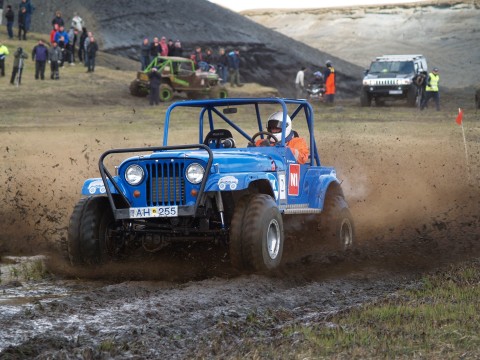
(404, 177)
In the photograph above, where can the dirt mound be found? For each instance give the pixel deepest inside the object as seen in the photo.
(268, 57)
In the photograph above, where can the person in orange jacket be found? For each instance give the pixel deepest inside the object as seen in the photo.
(297, 145)
(330, 87)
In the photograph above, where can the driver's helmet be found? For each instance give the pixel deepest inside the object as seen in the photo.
(275, 121)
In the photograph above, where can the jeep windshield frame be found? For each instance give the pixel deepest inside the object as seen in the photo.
(213, 107)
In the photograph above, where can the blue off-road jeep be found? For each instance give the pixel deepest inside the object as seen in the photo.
(220, 188)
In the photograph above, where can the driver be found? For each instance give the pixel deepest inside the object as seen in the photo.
(297, 145)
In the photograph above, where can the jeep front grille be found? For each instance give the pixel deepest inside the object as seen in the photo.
(166, 184)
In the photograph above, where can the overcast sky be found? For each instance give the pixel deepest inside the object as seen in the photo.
(240, 5)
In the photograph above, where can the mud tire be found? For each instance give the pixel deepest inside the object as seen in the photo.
(218, 92)
(413, 96)
(166, 93)
(261, 232)
(337, 224)
(89, 223)
(137, 90)
(236, 233)
(365, 99)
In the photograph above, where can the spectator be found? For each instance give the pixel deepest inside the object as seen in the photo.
(300, 82)
(330, 83)
(145, 54)
(53, 33)
(81, 45)
(1, 11)
(72, 39)
(431, 90)
(58, 20)
(155, 48)
(3, 54)
(10, 16)
(234, 67)
(171, 47)
(61, 45)
(197, 56)
(40, 56)
(222, 66)
(155, 80)
(85, 46)
(163, 46)
(29, 8)
(61, 32)
(177, 49)
(54, 59)
(91, 54)
(208, 58)
(18, 64)
(22, 18)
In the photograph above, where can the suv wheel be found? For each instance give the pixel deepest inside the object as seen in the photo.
(256, 235)
(218, 92)
(365, 99)
(412, 96)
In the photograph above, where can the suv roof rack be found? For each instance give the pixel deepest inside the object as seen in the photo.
(398, 57)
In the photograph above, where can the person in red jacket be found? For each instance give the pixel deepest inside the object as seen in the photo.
(330, 87)
(297, 145)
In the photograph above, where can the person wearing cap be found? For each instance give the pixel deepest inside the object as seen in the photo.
(163, 46)
(296, 144)
(330, 83)
(431, 90)
(18, 58)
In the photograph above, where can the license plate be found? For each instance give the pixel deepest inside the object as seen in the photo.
(153, 211)
(395, 92)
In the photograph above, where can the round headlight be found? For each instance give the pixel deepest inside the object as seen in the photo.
(134, 174)
(195, 173)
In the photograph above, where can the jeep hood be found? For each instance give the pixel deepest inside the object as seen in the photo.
(224, 160)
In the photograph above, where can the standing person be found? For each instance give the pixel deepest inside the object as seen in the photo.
(431, 90)
(57, 19)
(22, 17)
(300, 82)
(163, 46)
(3, 54)
(27, 4)
(222, 66)
(145, 54)
(197, 56)
(234, 68)
(92, 54)
(330, 83)
(81, 45)
(19, 56)
(155, 80)
(10, 16)
(154, 49)
(54, 59)
(177, 49)
(53, 33)
(171, 47)
(1, 11)
(40, 56)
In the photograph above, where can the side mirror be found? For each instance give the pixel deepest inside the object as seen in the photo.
(230, 111)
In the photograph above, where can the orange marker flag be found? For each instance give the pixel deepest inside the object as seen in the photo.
(459, 118)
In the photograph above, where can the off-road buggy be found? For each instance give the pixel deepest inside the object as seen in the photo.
(179, 75)
(222, 188)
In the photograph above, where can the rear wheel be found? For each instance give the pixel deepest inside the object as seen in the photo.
(218, 92)
(166, 92)
(337, 224)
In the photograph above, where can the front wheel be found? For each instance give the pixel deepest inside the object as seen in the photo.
(365, 99)
(90, 232)
(257, 234)
(218, 92)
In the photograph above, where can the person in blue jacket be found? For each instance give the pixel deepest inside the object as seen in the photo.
(234, 67)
